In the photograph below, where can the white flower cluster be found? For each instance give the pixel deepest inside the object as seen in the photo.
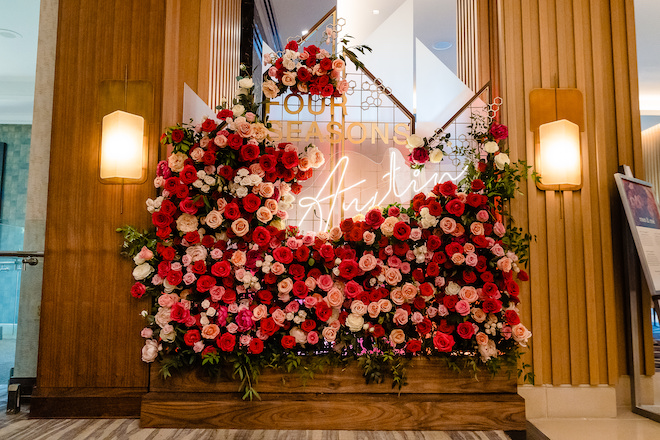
(427, 221)
(243, 180)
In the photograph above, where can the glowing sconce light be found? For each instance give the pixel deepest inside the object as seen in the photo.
(556, 118)
(559, 155)
(122, 143)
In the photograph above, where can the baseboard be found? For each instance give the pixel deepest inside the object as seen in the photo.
(566, 401)
(86, 402)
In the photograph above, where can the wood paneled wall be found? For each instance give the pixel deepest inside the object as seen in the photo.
(89, 349)
(89, 331)
(574, 301)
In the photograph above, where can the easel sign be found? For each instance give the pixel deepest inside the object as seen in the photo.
(644, 221)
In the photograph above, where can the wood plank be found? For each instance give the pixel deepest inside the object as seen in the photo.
(322, 411)
(86, 402)
(425, 376)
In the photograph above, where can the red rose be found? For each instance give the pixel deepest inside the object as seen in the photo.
(455, 207)
(491, 305)
(448, 188)
(188, 175)
(374, 218)
(174, 277)
(443, 342)
(499, 132)
(413, 346)
(326, 64)
(490, 290)
(199, 267)
(138, 290)
(418, 275)
(469, 277)
(188, 206)
(251, 203)
(179, 313)
(308, 325)
(191, 337)
(522, 276)
(512, 288)
(192, 237)
(292, 45)
(401, 231)
(304, 75)
(328, 90)
(401, 248)
(477, 185)
(177, 135)
(268, 326)
(288, 341)
(209, 350)
(261, 236)
(348, 269)
(379, 331)
(465, 330)
(256, 346)
(425, 326)
(232, 211)
(450, 301)
(297, 271)
(234, 141)
(300, 290)
(480, 241)
(473, 200)
(327, 252)
(160, 219)
(486, 277)
(221, 269)
(249, 152)
(323, 312)
(205, 282)
(419, 156)
(435, 208)
(482, 166)
(208, 125)
(267, 162)
(512, 317)
(265, 297)
(226, 342)
(283, 255)
(432, 269)
(226, 113)
(301, 254)
(453, 248)
(226, 172)
(289, 159)
(168, 253)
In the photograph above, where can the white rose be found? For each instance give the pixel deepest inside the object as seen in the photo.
(491, 147)
(150, 350)
(245, 83)
(415, 141)
(186, 223)
(452, 288)
(436, 155)
(168, 336)
(142, 271)
(238, 110)
(501, 160)
(354, 322)
(299, 335)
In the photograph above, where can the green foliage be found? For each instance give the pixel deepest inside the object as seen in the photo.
(134, 240)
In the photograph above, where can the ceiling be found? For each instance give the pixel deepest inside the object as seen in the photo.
(19, 19)
(18, 66)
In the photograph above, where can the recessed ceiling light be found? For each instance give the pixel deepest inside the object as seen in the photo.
(376, 11)
(8, 33)
(305, 31)
(442, 45)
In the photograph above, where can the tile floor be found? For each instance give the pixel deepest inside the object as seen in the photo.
(626, 426)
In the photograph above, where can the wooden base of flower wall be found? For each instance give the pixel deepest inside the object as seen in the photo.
(434, 399)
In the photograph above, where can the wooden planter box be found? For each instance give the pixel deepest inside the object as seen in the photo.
(434, 399)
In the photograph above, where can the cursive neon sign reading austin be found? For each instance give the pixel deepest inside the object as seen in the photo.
(317, 202)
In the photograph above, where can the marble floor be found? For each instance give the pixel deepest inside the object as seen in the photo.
(626, 426)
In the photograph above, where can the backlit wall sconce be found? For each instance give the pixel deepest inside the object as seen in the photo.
(124, 112)
(556, 118)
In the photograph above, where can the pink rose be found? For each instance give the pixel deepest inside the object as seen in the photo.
(499, 229)
(367, 262)
(240, 227)
(448, 225)
(400, 317)
(483, 216)
(325, 282)
(463, 307)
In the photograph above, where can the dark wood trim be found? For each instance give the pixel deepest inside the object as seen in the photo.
(247, 30)
(73, 403)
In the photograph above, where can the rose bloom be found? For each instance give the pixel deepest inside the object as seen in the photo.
(501, 160)
(471, 259)
(409, 291)
(168, 299)
(240, 227)
(400, 317)
(462, 307)
(150, 350)
(483, 216)
(354, 322)
(142, 271)
(488, 350)
(176, 161)
(397, 296)
(325, 282)
(387, 228)
(285, 286)
(521, 334)
(477, 228)
(448, 225)
(397, 336)
(499, 229)
(186, 223)
(392, 276)
(334, 298)
(384, 305)
(210, 331)
(415, 234)
(468, 293)
(278, 316)
(478, 315)
(213, 219)
(310, 301)
(270, 89)
(482, 338)
(271, 204)
(368, 237)
(266, 190)
(335, 234)
(373, 309)
(264, 215)
(238, 258)
(259, 312)
(289, 79)
(329, 334)
(358, 307)
(458, 258)
(367, 262)
(277, 268)
(504, 264)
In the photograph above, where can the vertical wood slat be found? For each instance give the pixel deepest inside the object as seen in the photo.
(576, 286)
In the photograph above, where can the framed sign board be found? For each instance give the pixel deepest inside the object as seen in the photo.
(644, 221)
